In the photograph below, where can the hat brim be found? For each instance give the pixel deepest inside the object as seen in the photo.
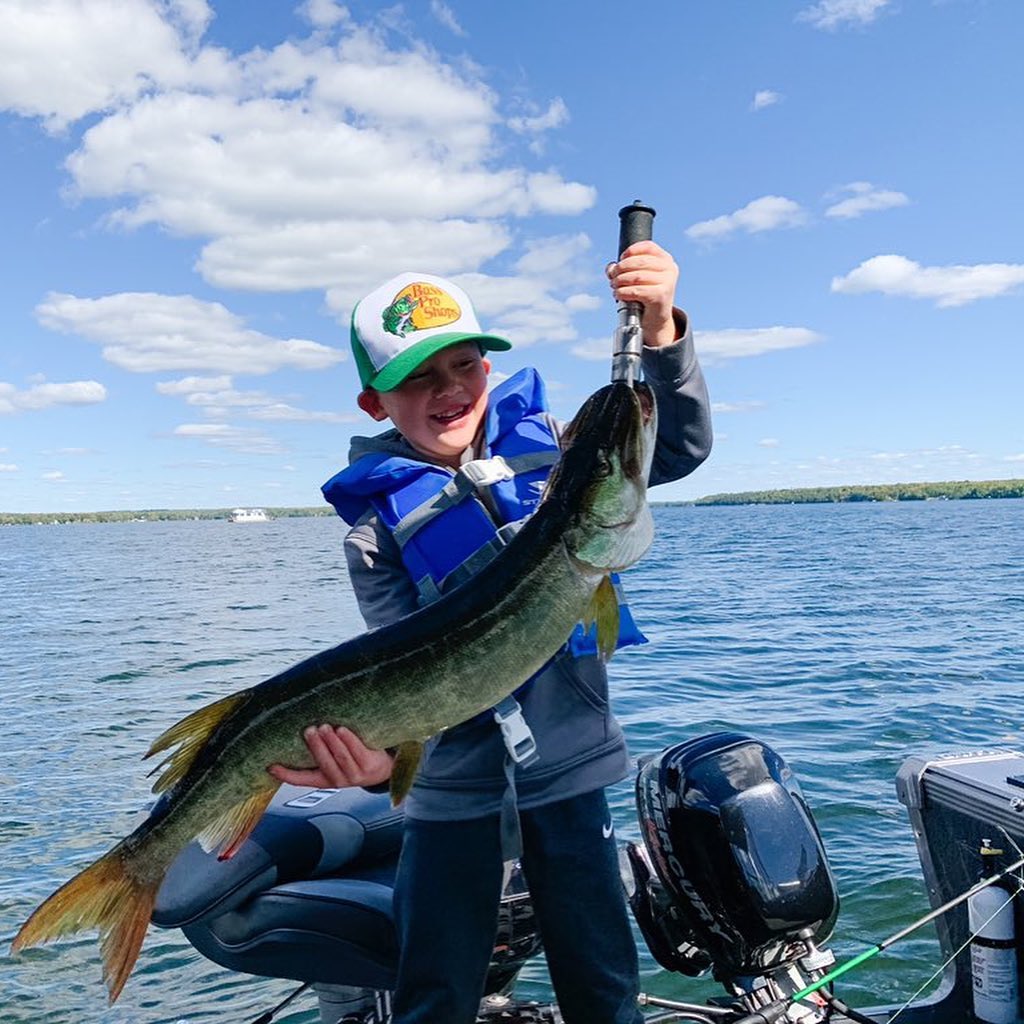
(405, 362)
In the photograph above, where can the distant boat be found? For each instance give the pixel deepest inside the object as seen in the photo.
(248, 515)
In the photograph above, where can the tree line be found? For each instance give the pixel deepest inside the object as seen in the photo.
(958, 489)
(952, 490)
(151, 515)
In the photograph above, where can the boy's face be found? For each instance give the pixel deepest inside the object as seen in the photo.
(439, 407)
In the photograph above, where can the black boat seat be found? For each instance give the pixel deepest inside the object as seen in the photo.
(308, 896)
(329, 930)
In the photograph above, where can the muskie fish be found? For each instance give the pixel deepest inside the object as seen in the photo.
(394, 687)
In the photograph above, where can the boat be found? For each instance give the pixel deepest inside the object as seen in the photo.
(731, 880)
(248, 515)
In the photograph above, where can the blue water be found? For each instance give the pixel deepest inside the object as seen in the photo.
(847, 636)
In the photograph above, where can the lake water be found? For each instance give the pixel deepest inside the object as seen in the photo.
(847, 636)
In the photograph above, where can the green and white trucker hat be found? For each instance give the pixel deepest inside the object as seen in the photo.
(405, 321)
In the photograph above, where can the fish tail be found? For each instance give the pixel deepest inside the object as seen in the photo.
(103, 896)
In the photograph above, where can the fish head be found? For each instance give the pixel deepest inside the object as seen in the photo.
(603, 476)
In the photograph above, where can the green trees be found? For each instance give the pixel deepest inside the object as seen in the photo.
(952, 490)
(150, 515)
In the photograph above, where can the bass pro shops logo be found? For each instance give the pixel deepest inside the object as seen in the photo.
(418, 307)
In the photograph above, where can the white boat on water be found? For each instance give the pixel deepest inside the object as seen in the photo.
(248, 515)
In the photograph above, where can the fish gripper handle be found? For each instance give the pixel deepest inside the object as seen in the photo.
(636, 224)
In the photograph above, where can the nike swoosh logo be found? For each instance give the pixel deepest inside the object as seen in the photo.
(607, 830)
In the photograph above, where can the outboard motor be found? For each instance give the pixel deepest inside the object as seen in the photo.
(732, 874)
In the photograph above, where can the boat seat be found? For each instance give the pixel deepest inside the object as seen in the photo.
(329, 930)
(310, 890)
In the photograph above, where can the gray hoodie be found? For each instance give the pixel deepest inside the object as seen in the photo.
(580, 743)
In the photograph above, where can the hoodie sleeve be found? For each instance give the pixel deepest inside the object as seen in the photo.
(684, 411)
(382, 585)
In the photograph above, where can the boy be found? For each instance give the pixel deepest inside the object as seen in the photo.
(422, 363)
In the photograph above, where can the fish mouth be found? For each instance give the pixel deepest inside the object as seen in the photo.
(635, 445)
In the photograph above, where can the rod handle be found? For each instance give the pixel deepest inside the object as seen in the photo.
(636, 224)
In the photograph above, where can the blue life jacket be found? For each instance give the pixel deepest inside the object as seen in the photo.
(440, 518)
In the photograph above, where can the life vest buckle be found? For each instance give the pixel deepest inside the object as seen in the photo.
(485, 472)
(519, 741)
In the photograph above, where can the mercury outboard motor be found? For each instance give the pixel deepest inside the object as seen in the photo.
(732, 874)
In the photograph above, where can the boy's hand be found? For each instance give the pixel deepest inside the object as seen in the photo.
(342, 759)
(647, 274)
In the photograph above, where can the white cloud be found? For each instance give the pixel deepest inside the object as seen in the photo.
(444, 14)
(865, 199)
(739, 343)
(54, 474)
(191, 16)
(715, 347)
(308, 150)
(555, 116)
(332, 254)
(281, 412)
(218, 399)
(835, 14)
(955, 285)
(190, 385)
(582, 301)
(46, 395)
(524, 308)
(61, 60)
(764, 214)
(594, 350)
(145, 332)
(768, 442)
(323, 13)
(765, 98)
(8, 467)
(223, 435)
(554, 258)
(283, 163)
(728, 407)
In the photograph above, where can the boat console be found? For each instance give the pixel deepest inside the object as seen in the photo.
(957, 803)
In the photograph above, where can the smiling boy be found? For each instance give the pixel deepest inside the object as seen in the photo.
(429, 502)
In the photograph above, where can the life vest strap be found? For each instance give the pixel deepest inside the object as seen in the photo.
(468, 480)
(519, 741)
(451, 494)
(484, 472)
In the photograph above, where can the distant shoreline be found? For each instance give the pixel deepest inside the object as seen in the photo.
(955, 490)
(153, 515)
(950, 490)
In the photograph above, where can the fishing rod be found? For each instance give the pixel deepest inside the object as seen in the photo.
(636, 224)
(775, 1010)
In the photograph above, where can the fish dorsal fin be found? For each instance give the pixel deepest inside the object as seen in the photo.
(189, 736)
(604, 610)
(232, 828)
(403, 772)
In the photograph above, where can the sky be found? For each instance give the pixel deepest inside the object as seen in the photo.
(195, 192)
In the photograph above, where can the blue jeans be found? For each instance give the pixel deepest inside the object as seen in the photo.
(446, 905)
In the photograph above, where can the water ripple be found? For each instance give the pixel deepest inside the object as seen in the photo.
(846, 636)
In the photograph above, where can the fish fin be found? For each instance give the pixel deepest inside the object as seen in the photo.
(103, 896)
(604, 610)
(190, 735)
(407, 763)
(232, 828)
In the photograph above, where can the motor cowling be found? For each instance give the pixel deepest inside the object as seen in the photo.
(737, 853)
